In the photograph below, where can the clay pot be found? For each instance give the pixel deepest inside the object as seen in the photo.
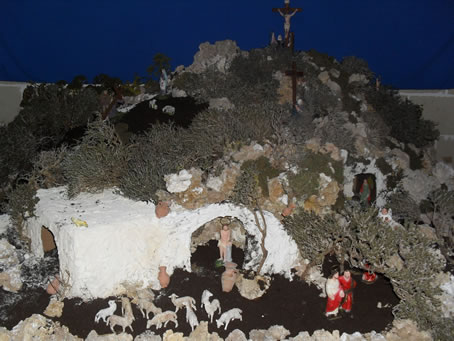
(163, 277)
(229, 276)
(288, 210)
(53, 286)
(162, 209)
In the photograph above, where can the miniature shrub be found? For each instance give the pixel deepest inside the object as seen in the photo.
(403, 206)
(377, 130)
(245, 190)
(98, 162)
(351, 65)
(384, 167)
(333, 130)
(322, 59)
(262, 170)
(319, 99)
(21, 204)
(403, 117)
(415, 159)
(158, 152)
(51, 111)
(306, 181)
(48, 168)
(394, 179)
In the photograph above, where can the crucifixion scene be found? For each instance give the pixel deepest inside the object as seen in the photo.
(226, 171)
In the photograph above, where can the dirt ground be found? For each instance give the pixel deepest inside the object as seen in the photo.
(293, 304)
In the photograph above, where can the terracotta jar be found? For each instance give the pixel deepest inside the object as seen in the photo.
(229, 276)
(53, 286)
(163, 277)
(162, 209)
(288, 210)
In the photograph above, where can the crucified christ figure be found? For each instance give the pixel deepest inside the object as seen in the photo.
(287, 18)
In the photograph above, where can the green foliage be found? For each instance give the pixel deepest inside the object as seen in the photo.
(315, 236)
(21, 204)
(351, 65)
(403, 206)
(384, 167)
(262, 170)
(106, 82)
(18, 147)
(77, 83)
(322, 59)
(159, 152)
(414, 283)
(415, 158)
(394, 180)
(404, 117)
(246, 187)
(98, 162)
(51, 111)
(306, 181)
(160, 61)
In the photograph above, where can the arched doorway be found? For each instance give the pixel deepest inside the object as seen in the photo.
(48, 239)
(204, 243)
(371, 181)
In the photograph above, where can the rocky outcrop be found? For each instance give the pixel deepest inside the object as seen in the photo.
(37, 327)
(9, 263)
(218, 56)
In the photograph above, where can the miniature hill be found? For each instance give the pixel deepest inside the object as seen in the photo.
(234, 135)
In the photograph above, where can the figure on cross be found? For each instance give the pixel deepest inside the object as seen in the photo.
(287, 18)
(287, 13)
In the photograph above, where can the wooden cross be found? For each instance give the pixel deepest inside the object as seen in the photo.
(287, 11)
(294, 74)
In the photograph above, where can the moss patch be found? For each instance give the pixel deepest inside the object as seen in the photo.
(306, 181)
(263, 171)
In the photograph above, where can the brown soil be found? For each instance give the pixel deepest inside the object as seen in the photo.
(293, 304)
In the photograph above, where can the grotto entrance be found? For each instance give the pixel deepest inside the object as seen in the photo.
(204, 243)
(48, 239)
(358, 183)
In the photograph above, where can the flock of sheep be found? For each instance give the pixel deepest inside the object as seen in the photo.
(144, 301)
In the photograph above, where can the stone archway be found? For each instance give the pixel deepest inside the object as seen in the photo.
(371, 180)
(208, 235)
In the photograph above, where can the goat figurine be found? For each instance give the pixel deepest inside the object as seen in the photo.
(228, 316)
(210, 307)
(179, 302)
(106, 312)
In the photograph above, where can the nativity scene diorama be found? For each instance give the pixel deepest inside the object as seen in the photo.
(269, 194)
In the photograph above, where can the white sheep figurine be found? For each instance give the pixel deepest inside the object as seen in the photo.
(191, 317)
(228, 316)
(179, 302)
(210, 307)
(147, 307)
(163, 318)
(106, 312)
(123, 321)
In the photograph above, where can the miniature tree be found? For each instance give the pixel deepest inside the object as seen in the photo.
(441, 203)
(246, 192)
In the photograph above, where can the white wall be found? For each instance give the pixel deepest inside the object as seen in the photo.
(438, 106)
(10, 99)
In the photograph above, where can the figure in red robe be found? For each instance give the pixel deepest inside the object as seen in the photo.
(347, 284)
(369, 276)
(335, 294)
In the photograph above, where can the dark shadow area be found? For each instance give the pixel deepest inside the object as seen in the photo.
(142, 116)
